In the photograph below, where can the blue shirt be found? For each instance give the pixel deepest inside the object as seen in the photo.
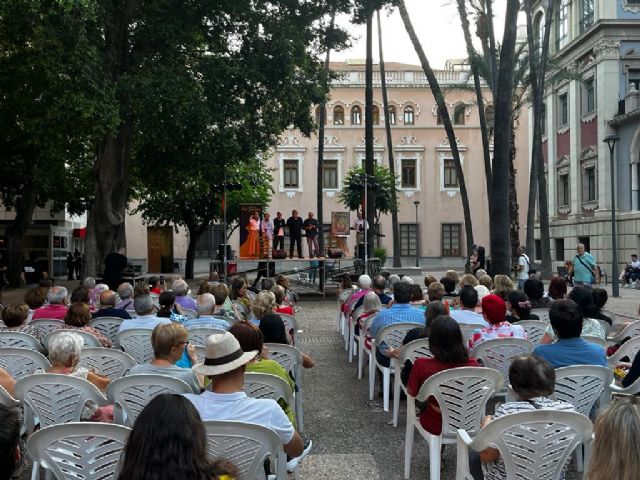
(572, 351)
(145, 321)
(207, 321)
(398, 313)
(583, 273)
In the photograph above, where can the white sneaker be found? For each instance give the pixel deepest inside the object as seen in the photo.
(294, 462)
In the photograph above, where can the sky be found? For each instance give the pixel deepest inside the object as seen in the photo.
(436, 23)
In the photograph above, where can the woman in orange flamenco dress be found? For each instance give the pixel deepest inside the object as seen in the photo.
(254, 241)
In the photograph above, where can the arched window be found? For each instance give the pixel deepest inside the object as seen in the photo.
(376, 115)
(338, 115)
(392, 115)
(317, 115)
(458, 114)
(356, 115)
(408, 115)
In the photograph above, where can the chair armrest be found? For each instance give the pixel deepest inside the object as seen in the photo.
(462, 463)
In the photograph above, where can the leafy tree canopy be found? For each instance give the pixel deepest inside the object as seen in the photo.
(380, 183)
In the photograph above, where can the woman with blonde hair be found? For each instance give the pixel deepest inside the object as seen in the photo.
(468, 279)
(486, 281)
(616, 449)
(264, 304)
(502, 285)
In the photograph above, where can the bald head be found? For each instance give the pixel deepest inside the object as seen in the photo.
(108, 299)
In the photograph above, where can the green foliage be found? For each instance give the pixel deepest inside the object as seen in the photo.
(382, 254)
(381, 183)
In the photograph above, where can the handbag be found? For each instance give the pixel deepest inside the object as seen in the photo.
(593, 273)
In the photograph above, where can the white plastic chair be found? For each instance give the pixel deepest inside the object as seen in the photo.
(350, 341)
(20, 362)
(20, 340)
(467, 330)
(198, 335)
(108, 326)
(266, 385)
(247, 446)
(535, 329)
(7, 400)
(605, 326)
(462, 394)
(289, 322)
(632, 330)
(498, 352)
(46, 325)
(541, 313)
(411, 351)
(80, 450)
(137, 343)
(88, 339)
(189, 313)
(290, 358)
(109, 362)
(362, 338)
(534, 445)
(597, 340)
(132, 393)
(392, 336)
(629, 349)
(242, 308)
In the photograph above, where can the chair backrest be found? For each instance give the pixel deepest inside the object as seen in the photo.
(251, 294)
(247, 446)
(289, 358)
(56, 398)
(289, 321)
(20, 340)
(392, 335)
(132, 393)
(358, 311)
(242, 308)
(498, 352)
(108, 326)
(6, 399)
(88, 339)
(535, 329)
(107, 361)
(631, 330)
(137, 343)
(86, 450)
(265, 385)
(541, 313)
(20, 362)
(467, 330)
(189, 313)
(198, 335)
(462, 394)
(416, 349)
(597, 340)
(628, 349)
(535, 445)
(582, 385)
(46, 325)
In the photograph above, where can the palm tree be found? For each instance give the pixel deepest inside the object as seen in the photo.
(368, 131)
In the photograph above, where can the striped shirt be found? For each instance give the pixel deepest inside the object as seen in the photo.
(398, 313)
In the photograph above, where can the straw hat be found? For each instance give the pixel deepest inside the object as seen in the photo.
(223, 354)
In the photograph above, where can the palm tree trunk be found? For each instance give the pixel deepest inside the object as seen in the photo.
(446, 121)
(368, 135)
(395, 226)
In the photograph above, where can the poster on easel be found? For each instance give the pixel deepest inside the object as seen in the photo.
(249, 240)
(340, 224)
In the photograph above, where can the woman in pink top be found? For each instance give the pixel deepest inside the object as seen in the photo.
(254, 227)
(494, 311)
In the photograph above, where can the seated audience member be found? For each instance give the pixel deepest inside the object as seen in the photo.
(400, 312)
(435, 292)
(169, 341)
(168, 441)
(449, 287)
(583, 299)
(57, 307)
(520, 307)
(481, 272)
(468, 279)
(154, 285)
(94, 302)
(264, 304)
(268, 284)
(224, 307)
(600, 297)
(448, 349)
(502, 285)
(570, 349)
(250, 338)
(181, 289)
(239, 292)
(417, 295)
(146, 315)
(35, 297)
(89, 284)
(428, 280)
(64, 355)
(533, 382)
(370, 306)
(391, 282)
(281, 307)
(169, 309)
(225, 364)
(14, 317)
(205, 307)
(534, 290)
(291, 296)
(494, 311)
(78, 318)
(364, 284)
(46, 283)
(482, 292)
(486, 281)
(274, 331)
(468, 303)
(557, 288)
(108, 306)
(379, 284)
(125, 293)
(453, 276)
(205, 287)
(224, 470)
(81, 294)
(615, 452)
(10, 453)
(141, 289)
(345, 287)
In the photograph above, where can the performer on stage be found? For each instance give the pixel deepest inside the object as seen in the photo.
(266, 228)
(254, 242)
(278, 228)
(310, 226)
(359, 226)
(294, 222)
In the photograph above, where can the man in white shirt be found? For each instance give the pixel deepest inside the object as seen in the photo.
(225, 364)
(205, 307)
(631, 272)
(146, 315)
(523, 267)
(468, 303)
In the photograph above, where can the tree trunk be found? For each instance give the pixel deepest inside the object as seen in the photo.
(446, 121)
(16, 230)
(499, 213)
(514, 209)
(368, 135)
(195, 232)
(395, 226)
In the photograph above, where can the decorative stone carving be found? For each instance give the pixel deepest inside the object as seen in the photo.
(630, 7)
(588, 152)
(290, 140)
(330, 193)
(408, 193)
(408, 140)
(331, 140)
(291, 194)
(607, 50)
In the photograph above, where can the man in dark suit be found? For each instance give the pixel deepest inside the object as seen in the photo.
(295, 233)
(278, 231)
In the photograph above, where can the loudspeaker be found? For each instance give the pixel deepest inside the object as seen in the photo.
(220, 255)
(279, 254)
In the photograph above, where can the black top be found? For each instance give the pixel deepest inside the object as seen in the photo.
(33, 272)
(111, 312)
(295, 226)
(114, 265)
(278, 223)
(310, 226)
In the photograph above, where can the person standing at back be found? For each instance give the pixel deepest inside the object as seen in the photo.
(523, 267)
(583, 267)
(266, 230)
(310, 226)
(278, 230)
(114, 265)
(294, 223)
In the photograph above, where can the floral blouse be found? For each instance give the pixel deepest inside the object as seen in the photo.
(499, 330)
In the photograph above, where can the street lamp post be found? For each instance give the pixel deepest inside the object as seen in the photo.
(611, 140)
(416, 203)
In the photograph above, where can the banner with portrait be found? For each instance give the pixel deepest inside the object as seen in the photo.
(340, 224)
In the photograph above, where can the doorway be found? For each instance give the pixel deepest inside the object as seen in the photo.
(160, 249)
